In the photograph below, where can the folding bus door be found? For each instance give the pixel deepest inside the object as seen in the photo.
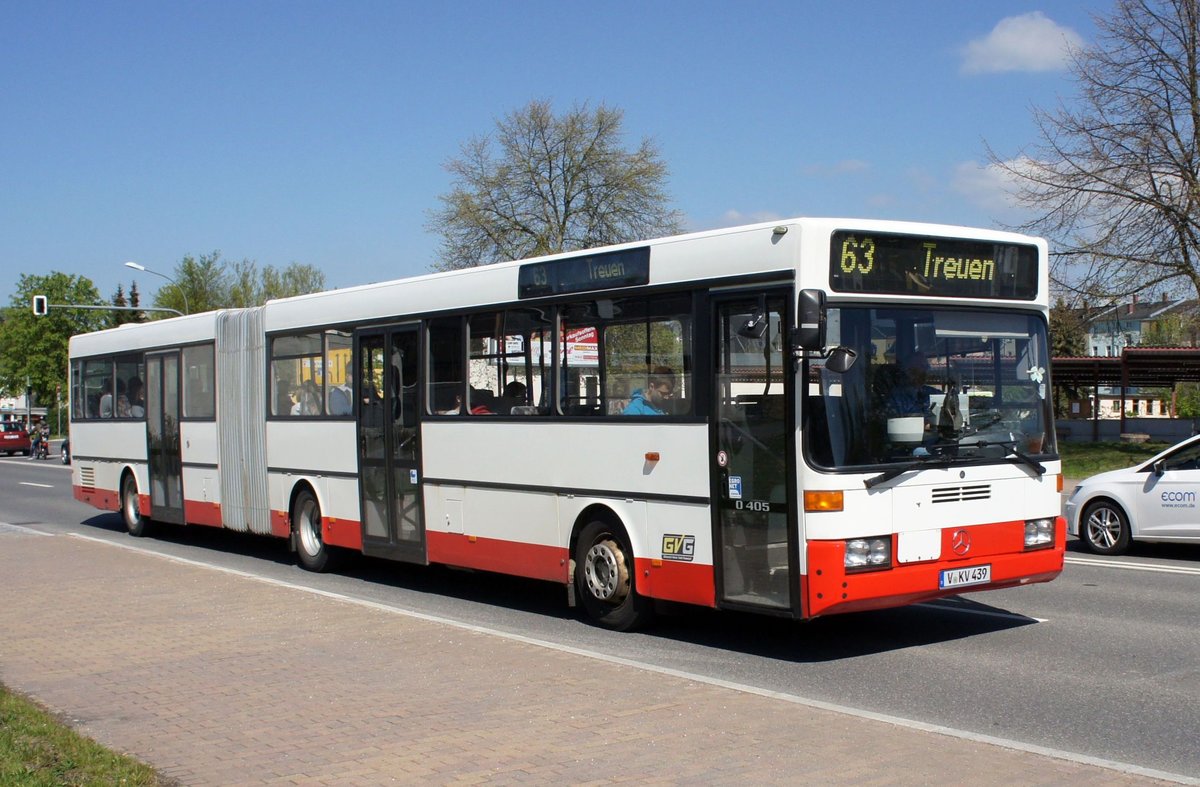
(162, 436)
(389, 456)
(754, 468)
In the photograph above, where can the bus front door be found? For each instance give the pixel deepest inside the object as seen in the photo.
(752, 467)
(162, 437)
(389, 455)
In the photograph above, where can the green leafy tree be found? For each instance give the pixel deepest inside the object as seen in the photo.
(34, 349)
(208, 282)
(250, 287)
(119, 299)
(547, 183)
(1187, 400)
(1170, 330)
(1068, 331)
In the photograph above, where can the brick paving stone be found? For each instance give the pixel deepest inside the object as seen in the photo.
(219, 679)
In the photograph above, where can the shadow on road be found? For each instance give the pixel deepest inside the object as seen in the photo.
(824, 639)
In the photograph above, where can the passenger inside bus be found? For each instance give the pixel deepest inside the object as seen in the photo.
(513, 396)
(909, 394)
(655, 397)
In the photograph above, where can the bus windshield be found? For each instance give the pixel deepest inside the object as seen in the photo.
(937, 384)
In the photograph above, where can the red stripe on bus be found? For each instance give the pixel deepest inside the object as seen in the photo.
(831, 589)
(202, 512)
(98, 498)
(676, 580)
(281, 524)
(342, 532)
(535, 561)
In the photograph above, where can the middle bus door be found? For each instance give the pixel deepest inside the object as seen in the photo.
(753, 471)
(389, 455)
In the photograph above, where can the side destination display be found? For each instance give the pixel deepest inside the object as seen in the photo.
(610, 270)
(917, 265)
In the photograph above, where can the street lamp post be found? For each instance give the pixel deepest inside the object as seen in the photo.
(144, 269)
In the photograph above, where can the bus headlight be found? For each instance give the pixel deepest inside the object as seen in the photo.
(868, 553)
(1039, 533)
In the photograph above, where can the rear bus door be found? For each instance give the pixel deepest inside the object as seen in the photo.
(389, 455)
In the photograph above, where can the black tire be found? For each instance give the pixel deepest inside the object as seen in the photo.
(135, 523)
(66, 456)
(1104, 528)
(604, 579)
(306, 523)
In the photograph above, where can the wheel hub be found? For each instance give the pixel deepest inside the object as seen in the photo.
(606, 573)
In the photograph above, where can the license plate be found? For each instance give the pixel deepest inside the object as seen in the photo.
(962, 577)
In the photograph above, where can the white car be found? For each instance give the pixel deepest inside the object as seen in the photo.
(1158, 500)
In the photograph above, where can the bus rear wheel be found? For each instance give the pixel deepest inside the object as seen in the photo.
(131, 512)
(604, 579)
(306, 522)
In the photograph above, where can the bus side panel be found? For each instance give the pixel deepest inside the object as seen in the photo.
(322, 455)
(677, 564)
(101, 450)
(494, 530)
(201, 478)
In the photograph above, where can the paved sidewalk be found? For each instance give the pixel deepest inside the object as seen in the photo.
(220, 679)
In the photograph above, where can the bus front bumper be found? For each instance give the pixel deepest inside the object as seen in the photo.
(830, 588)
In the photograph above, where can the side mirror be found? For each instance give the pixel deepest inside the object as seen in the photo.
(840, 360)
(1159, 467)
(810, 333)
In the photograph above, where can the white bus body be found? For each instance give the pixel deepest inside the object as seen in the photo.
(489, 424)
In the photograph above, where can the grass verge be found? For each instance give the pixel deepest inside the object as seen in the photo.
(37, 749)
(1081, 460)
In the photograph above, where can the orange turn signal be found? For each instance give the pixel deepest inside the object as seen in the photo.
(652, 456)
(823, 501)
(1060, 483)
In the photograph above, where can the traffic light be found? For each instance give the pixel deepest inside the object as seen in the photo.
(41, 306)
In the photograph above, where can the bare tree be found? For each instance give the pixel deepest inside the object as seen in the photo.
(545, 184)
(1115, 177)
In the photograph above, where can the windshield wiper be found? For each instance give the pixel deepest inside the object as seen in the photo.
(1014, 453)
(931, 460)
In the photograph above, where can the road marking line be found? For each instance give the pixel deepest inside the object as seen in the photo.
(1085, 561)
(40, 486)
(795, 699)
(23, 529)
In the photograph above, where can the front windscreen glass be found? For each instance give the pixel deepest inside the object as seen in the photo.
(938, 384)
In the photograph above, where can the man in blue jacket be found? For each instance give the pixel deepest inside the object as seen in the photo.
(651, 400)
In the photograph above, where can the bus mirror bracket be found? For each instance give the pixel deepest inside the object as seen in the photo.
(840, 359)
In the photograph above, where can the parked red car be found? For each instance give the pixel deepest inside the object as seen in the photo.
(14, 439)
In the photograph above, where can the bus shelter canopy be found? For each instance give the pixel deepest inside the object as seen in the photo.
(1136, 367)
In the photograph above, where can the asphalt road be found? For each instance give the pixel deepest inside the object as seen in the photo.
(1103, 662)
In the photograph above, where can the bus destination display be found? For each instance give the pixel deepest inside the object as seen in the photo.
(914, 265)
(610, 270)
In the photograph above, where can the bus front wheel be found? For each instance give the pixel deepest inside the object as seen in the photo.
(131, 512)
(306, 521)
(604, 579)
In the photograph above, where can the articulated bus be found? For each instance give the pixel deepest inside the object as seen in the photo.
(801, 418)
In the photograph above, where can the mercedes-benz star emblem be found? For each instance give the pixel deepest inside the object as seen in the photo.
(960, 542)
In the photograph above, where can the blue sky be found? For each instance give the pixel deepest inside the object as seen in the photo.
(315, 132)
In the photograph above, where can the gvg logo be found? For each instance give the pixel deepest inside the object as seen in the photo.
(678, 547)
